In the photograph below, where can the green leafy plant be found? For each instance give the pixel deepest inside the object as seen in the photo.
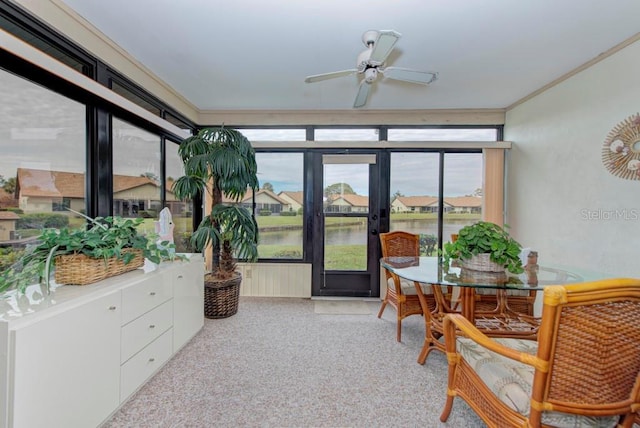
(101, 238)
(221, 161)
(485, 237)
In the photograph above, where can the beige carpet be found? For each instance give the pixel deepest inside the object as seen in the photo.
(341, 307)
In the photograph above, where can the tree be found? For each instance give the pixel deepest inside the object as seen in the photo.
(267, 186)
(478, 192)
(398, 194)
(8, 185)
(339, 189)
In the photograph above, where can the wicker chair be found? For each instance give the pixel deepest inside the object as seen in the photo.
(401, 294)
(583, 370)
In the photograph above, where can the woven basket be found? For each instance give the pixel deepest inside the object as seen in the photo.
(221, 296)
(469, 276)
(79, 269)
(482, 263)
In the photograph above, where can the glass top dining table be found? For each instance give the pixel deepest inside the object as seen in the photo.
(432, 270)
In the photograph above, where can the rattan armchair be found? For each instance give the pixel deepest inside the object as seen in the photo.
(583, 370)
(400, 294)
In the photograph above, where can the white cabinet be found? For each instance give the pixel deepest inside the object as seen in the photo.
(188, 304)
(72, 358)
(67, 362)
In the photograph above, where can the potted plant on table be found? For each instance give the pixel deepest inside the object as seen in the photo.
(104, 247)
(221, 161)
(486, 247)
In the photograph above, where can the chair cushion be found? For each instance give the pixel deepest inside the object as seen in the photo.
(511, 381)
(408, 288)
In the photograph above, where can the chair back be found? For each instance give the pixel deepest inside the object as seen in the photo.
(398, 244)
(590, 338)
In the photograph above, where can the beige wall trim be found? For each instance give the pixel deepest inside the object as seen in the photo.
(493, 186)
(58, 15)
(38, 58)
(577, 70)
(352, 117)
(381, 144)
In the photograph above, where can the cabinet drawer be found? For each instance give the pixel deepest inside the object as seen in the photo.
(145, 363)
(143, 330)
(144, 296)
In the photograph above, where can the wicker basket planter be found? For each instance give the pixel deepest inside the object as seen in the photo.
(221, 296)
(481, 263)
(78, 269)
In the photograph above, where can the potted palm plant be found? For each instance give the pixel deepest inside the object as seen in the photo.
(221, 161)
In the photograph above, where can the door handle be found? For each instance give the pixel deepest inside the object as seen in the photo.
(374, 231)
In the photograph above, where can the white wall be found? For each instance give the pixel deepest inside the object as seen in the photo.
(556, 178)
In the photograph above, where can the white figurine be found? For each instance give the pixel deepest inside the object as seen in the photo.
(164, 227)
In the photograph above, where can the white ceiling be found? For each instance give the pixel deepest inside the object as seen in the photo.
(255, 54)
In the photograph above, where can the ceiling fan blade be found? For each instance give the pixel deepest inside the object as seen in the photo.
(383, 46)
(408, 75)
(363, 94)
(326, 76)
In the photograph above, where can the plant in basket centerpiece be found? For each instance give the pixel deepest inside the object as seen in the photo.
(485, 247)
(105, 247)
(221, 161)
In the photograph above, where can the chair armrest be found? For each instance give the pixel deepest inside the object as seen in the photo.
(455, 324)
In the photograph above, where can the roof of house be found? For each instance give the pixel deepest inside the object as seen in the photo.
(8, 215)
(354, 200)
(248, 197)
(464, 201)
(45, 183)
(417, 201)
(297, 196)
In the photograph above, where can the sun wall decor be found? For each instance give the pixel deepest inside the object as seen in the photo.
(621, 149)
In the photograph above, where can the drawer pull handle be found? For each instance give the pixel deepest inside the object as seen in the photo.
(112, 308)
(153, 293)
(152, 326)
(179, 276)
(151, 360)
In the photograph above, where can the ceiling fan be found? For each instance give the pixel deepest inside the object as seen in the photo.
(372, 61)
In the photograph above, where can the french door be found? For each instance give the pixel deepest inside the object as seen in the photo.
(346, 223)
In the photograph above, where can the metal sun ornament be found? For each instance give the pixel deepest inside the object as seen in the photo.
(621, 149)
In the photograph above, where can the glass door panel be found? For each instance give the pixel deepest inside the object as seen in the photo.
(345, 244)
(348, 247)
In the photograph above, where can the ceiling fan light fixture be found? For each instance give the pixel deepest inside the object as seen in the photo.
(370, 74)
(372, 61)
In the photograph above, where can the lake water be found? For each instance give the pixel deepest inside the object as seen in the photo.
(356, 235)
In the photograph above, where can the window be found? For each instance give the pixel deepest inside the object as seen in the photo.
(62, 205)
(442, 134)
(273, 134)
(340, 134)
(280, 205)
(181, 212)
(414, 196)
(415, 199)
(462, 191)
(136, 173)
(42, 167)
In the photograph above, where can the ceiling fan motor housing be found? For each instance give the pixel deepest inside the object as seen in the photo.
(370, 74)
